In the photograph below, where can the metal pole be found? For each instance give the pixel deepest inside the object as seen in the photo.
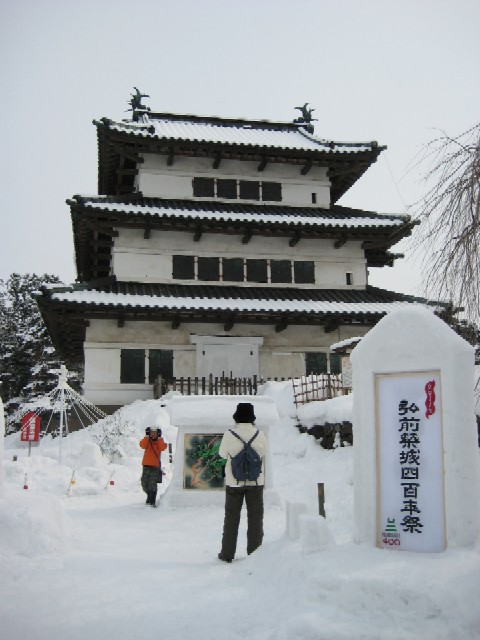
(62, 400)
(321, 498)
(62, 381)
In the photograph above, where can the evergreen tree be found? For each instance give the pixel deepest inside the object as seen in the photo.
(29, 365)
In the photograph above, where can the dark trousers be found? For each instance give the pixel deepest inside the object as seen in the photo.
(150, 477)
(233, 506)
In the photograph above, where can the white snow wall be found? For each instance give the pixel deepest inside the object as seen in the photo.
(2, 442)
(410, 340)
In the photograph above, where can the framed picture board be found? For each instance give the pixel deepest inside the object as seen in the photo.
(202, 466)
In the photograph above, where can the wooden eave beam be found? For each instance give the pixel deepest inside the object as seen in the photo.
(281, 326)
(331, 325)
(128, 154)
(217, 161)
(345, 168)
(198, 234)
(170, 157)
(295, 240)
(340, 242)
(247, 237)
(121, 322)
(228, 326)
(373, 244)
(307, 167)
(263, 164)
(175, 323)
(147, 227)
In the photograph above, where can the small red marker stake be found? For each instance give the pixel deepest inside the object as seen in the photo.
(112, 482)
(25, 482)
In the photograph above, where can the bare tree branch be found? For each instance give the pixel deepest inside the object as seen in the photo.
(449, 233)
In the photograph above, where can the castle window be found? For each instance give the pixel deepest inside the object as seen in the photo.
(315, 362)
(233, 270)
(160, 363)
(257, 270)
(209, 269)
(335, 363)
(227, 189)
(132, 366)
(249, 190)
(232, 189)
(304, 272)
(281, 271)
(204, 187)
(183, 267)
(349, 278)
(272, 191)
(136, 365)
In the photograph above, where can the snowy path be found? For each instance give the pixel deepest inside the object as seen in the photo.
(130, 571)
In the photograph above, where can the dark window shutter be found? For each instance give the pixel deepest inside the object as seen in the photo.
(304, 272)
(272, 191)
(315, 363)
(257, 270)
(132, 366)
(335, 363)
(208, 268)
(249, 190)
(233, 269)
(183, 267)
(160, 363)
(203, 187)
(227, 189)
(281, 270)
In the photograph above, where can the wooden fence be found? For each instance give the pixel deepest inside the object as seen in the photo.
(211, 386)
(322, 386)
(305, 389)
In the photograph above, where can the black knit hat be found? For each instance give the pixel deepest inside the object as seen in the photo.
(244, 412)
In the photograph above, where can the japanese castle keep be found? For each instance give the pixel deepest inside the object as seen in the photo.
(215, 246)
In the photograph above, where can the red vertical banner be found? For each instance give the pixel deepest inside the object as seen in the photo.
(30, 428)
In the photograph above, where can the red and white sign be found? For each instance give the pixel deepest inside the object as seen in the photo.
(30, 428)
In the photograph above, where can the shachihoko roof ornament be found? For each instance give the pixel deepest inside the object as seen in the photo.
(135, 102)
(306, 117)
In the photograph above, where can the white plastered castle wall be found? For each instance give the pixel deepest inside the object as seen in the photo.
(135, 258)
(157, 179)
(279, 354)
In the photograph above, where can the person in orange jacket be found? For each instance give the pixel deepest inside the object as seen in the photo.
(154, 444)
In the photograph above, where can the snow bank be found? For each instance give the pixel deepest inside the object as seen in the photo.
(97, 551)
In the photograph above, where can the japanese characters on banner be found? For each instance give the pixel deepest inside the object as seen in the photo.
(410, 480)
(30, 428)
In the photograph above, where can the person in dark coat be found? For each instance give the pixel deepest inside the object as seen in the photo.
(153, 444)
(235, 492)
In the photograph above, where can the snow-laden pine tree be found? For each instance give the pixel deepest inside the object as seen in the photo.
(29, 365)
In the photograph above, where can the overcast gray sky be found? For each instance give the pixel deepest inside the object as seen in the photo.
(383, 70)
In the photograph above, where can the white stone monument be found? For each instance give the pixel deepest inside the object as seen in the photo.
(201, 422)
(416, 458)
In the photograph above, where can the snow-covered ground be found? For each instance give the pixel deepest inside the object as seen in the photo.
(100, 564)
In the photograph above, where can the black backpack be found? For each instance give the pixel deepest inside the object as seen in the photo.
(247, 463)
